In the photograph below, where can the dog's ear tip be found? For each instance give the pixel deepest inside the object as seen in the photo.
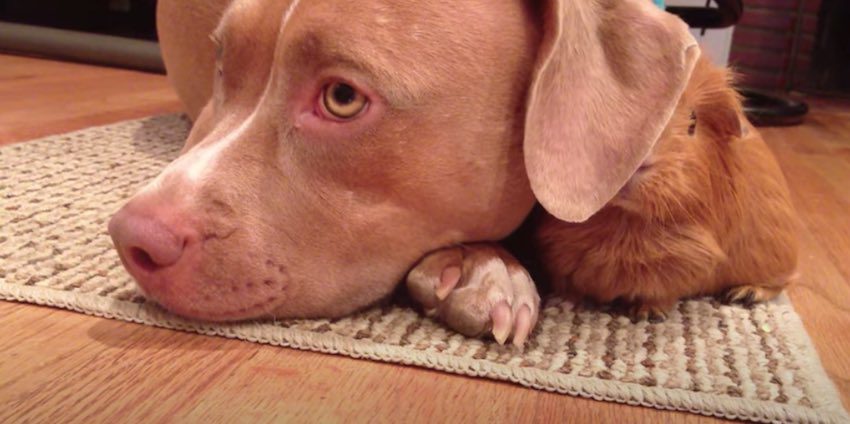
(692, 51)
(566, 208)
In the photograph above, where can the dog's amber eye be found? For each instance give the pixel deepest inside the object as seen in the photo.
(342, 100)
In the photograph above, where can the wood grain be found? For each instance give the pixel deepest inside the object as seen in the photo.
(62, 366)
(816, 160)
(40, 97)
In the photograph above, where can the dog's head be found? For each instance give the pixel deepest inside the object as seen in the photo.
(344, 140)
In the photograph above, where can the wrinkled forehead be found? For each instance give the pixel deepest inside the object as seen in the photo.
(401, 43)
(251, 21)
(407, 46)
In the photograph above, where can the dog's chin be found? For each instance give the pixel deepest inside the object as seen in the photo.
(227, 310)
(209, 300)
(193, 290)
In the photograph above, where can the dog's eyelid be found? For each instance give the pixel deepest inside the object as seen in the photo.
(217, 40)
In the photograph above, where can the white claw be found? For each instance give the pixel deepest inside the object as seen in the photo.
(501, 317)
(522, 326)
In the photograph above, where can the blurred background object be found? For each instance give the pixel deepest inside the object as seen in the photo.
(794, 45)
(771, 46)
(108, 32)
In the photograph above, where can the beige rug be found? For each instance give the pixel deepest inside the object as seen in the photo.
(57, 194)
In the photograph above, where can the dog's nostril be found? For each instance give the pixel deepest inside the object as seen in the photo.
(143, 260)
(147, 244)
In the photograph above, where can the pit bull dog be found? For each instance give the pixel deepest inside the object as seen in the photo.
(339, 147)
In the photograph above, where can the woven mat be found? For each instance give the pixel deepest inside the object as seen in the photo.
(56, 195)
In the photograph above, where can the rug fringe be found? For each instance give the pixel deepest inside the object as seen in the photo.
(612, 391)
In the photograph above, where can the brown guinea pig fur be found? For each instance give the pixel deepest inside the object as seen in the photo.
(708, 213)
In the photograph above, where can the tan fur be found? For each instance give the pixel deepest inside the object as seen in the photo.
(709, 212)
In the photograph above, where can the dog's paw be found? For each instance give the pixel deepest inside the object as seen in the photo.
(476, 289)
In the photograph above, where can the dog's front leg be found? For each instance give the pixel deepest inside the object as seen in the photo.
(477, 289)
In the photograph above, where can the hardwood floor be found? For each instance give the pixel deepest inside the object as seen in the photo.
(40, 97)
(62, 366)
(816, 160)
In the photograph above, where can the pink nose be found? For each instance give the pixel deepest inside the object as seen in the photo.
(145, 243)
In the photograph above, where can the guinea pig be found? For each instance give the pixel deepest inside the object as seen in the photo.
(707, 213)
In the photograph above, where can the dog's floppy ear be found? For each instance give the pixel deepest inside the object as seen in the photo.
(609, 74)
